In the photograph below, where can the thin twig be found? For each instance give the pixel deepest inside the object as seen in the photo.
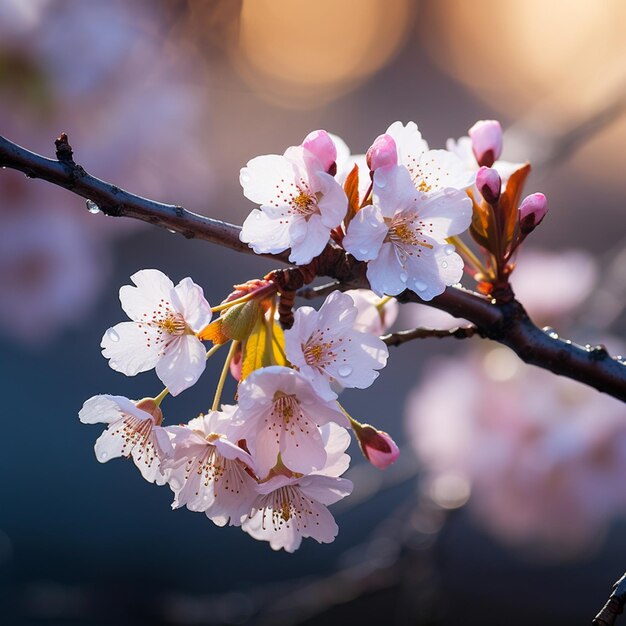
(614, 606)
(310, 293)
(504, 322)
(402, 336)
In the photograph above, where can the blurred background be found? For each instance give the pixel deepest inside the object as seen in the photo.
(508, 503)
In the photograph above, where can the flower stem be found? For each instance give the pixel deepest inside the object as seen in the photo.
(213, 350)
(158, 399)
(222, 380)
(262, 292)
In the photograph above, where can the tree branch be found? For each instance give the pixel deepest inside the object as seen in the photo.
(116, 202)
(614, 606)
(402, 336)
(507, 322)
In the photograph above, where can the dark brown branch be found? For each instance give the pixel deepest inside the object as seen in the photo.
(310, 293)
(402, 336)
(116, 202)
(506, 323)
(614, 606)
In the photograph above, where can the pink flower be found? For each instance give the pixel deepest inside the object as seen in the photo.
(289, 508)
(373, 316)
(542, 456)
(321, 144)
(489, 183)
(208, 471)
(403, 236)
(162, 331)
(431, 170)
(325, 347)
(132, 431)
(486, 136)
(280, 413)
(532, 210)
(300, 204)
(382, 152)
(377, 446)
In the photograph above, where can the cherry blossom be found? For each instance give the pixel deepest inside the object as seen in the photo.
(431, 170)
(325, 347)
(375, 315)
(162, 331)
(134, 429)
(300, 204)
(541, 458)
(208, 471)
(486, 137)
(403, 236)
(280, 412)
(289, 507)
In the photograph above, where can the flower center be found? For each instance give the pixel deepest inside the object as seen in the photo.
(402, 233)
(423, 186)
(286, 407)
(173, 323)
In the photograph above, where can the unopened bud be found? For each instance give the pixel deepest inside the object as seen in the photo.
(532, 210)
(236, 363)
(486, 136)
(382, 152)
(150, 406)
(320, 143)
(377, 446)
(489, 184)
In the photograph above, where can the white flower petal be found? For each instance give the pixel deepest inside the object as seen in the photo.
(325, 489)
(192, 304)
(153, 289)
(385, 271)
(366, 233)
(182, 363)
(265, 234)
(446, 214)
(131, 348)
(310, 242)
(261, 176)
(393, 190)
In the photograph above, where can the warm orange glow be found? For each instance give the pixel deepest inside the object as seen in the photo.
(302, 53)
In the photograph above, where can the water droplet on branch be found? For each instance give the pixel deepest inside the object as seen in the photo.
(92, 207)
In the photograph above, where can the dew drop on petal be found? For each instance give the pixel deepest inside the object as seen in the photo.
(102, 457)
(92, 207)
(363, 250)
(344, 370)
(380, 179)
(448, 248)
(112, 335)
(420, 286)
(444, 264)
(404, 276)
(245, 178)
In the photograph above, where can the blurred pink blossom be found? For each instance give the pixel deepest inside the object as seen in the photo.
(544, 457)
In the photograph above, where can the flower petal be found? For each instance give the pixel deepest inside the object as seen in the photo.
(131, 348)
(182, 363)
(153, 288)
(195, 309)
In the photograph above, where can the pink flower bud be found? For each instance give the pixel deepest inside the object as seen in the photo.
(486, 136)
(150, 406)
(489, 184)
(382, 152)
(532, 210)
(377, 446)
(322, 146)
(236, 364)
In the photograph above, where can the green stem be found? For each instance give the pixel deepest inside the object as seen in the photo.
(222, 380)
(160, 397)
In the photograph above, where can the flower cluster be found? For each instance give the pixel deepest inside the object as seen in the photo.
(271, 463)
(395, 210)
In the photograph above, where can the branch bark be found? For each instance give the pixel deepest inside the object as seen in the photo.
(507, 323)
(402, 336)
(614, 605)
